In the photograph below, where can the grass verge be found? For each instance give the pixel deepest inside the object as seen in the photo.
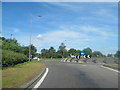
(113, 66)
(20, 74)
(104, 58)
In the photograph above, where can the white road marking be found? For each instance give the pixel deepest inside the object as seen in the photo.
(111, 69)
(42, 79)
(84, 65)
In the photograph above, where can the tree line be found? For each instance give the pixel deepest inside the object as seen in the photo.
(14, 53)
(63, 53)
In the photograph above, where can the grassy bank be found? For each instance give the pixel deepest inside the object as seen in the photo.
(20, 74)
(112, 66)
(104, 58)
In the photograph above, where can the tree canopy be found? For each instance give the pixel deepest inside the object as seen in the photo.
(87, 51)
(97, 54)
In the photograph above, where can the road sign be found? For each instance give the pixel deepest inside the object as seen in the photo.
(87, 56)
(82, 53)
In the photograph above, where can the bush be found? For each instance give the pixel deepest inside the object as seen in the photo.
(10, 58)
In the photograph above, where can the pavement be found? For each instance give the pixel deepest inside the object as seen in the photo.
(76, 75)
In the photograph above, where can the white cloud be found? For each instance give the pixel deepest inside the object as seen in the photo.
(71, 36)
(69, 6)
(107, 14)
(76, 36)
(102, 12)
(54, 38)
(110, 50)
(39, 36)
(15, 30)
(100, 31)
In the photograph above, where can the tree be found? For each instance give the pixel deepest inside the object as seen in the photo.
(44, 53)
(117, 54)
(51, 52)
(79, 52)
(62, 52)
(33, 50)
(11, 44)
(87, 51)
(25, 50)
(72, 51)
(109, 55)
(97, 54)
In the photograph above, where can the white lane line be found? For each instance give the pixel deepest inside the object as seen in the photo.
(83, 65)
(42, 79)
(111, 69)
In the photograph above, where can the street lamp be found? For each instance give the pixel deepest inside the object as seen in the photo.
(31, 34)
(11, 36)
(63, 46)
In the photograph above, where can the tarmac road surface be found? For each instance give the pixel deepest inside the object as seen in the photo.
(76, 75)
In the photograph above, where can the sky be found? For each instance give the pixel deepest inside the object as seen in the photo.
(77, 24)
(60, 0)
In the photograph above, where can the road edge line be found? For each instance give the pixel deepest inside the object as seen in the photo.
(42, 79)
(34, 79)
(111, 69)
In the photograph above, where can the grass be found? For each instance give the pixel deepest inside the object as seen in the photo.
(20, 74)
(0, 79)
(112, 66)
(104, 58)
(48, 59)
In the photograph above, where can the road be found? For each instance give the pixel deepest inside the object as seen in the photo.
(75, 75)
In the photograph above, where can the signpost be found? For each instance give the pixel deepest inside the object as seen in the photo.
(87, 56)
(82, 53)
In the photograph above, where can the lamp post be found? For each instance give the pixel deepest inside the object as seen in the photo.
(31, 34)
(11, 36)
(63, 46)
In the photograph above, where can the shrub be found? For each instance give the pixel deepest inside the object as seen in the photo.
(10, 58)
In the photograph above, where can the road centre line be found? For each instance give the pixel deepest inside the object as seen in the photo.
(111, 69)
(41, 80)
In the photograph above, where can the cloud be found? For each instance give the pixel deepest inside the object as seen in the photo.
(54, 38)
(107, 14)
(72, 37)
(16, 30)
(69, 6)
(110, 50)
(97, 30)
(90, 29)
(76, 36)
(39, 36)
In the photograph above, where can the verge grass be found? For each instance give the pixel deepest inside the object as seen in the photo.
(20, 74)
(113, 66)
(104, 57)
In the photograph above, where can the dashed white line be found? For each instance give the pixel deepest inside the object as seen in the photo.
(42, 79)
(110, 69)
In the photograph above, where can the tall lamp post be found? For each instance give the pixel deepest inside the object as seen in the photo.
(63, 46)
(30, 56)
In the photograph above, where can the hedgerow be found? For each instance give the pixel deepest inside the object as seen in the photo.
(10, 58)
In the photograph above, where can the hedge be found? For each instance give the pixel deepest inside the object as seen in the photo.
(11, 58)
